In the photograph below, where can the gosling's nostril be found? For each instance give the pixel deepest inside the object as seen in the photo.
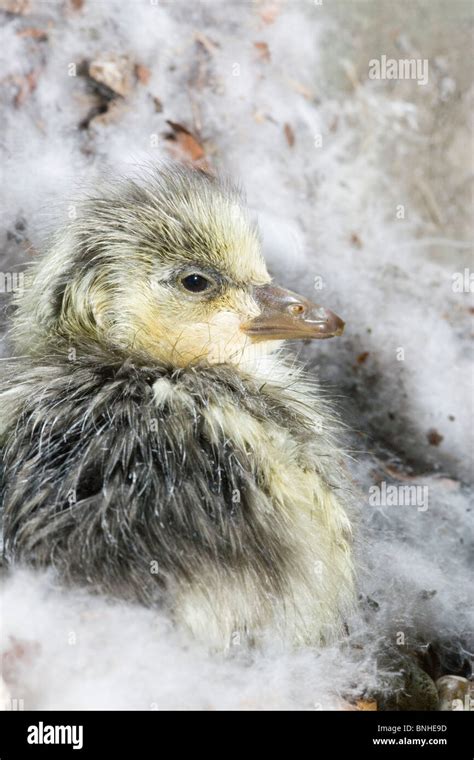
(296, 309)
(322, 313)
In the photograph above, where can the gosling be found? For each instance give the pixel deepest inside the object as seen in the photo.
(158, 444)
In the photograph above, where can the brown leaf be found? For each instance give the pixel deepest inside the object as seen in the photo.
(206, 43)
(289, 134)
(185, 146)
(158, 104)
(269, 13)
(142, 73)
(26, 85)
(434, 438)
(19, 7)
(362, 358)
(355, 240)
(366, 705)
(199, 75)
(31, 31)
(301, 89)
(263, 51)
(77, 4)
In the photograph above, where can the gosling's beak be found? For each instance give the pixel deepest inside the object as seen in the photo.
(286, 315)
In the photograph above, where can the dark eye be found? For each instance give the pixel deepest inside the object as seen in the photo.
(196, 283)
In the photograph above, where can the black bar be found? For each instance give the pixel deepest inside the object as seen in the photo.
(319, 734)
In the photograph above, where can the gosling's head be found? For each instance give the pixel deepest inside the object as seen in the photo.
(168, 267)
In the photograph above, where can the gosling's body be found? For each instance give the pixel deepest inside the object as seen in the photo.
(160, 463)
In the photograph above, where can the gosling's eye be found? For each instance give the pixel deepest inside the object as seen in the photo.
(196, 283)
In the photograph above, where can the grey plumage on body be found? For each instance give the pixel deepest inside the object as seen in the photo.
(158, 443)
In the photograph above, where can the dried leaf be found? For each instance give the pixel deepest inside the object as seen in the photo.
(269, 13)
(289, 134)
(185, 146)
(26, 85)
(263, 51)
(355, 240)
(366, 705)
(301, 89)
(362, 358)
(206, 43)
(142, 73)
(434, 438)
(18, 7)
(158, 104)
(31, 31)
(199, 77)
(113, 71)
